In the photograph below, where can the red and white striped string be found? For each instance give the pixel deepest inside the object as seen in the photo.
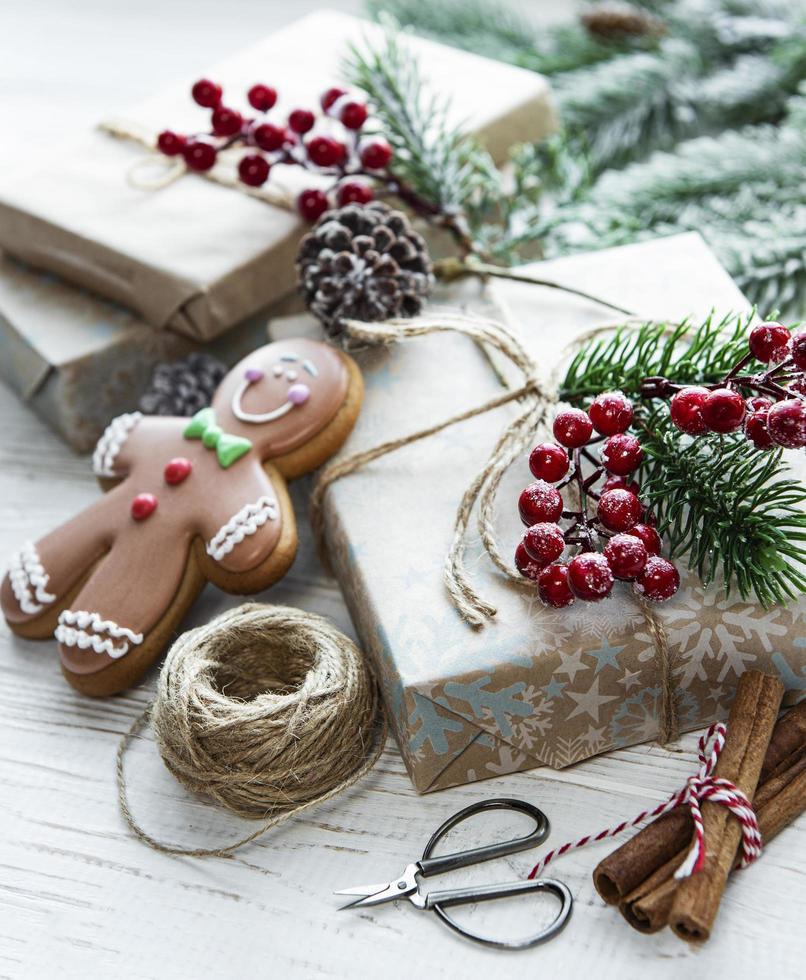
(699, 787)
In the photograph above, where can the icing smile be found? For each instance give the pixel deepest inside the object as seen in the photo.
(298, 393)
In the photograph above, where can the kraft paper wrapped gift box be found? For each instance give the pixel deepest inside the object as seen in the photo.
(79, 361)
(197, 257)
(536, 686)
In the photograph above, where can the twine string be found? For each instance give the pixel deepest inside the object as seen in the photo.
(702, 786)
(268, 710)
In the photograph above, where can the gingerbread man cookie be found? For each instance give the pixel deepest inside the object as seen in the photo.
(189, 501)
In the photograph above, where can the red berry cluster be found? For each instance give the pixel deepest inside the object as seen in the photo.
(769, 406)
(612, 535)
(330, 144)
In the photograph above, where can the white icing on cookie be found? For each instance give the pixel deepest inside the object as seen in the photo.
(247, 521)
(111, 442)
(29, 580)
(86, 630)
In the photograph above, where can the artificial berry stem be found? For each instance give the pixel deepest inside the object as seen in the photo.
(769, 405)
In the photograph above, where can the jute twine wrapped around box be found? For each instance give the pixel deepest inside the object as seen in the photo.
(535, 397)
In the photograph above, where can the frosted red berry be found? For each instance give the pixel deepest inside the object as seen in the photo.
(590, 576)
(799, 350)
(553, 588)
(658, 581)
(755, 428)
(544, 543)
(262, 97)
(621, 454)
(572, 428)
(548, 462)
(312, 204)
(610, 413)
(685, 409)
(268, 136)
(206, 93)
(170, 143)
(226, 122)
(648, 535)
(143, 506)
(786, 423)
(619, 510)
(626, 554)
(353, 115)
(301, 120)
(325, 151)
(253, 169)
(354, 192)
(621, 483)
(758, 403)
(540, 503)
(376, 155)
(331, 96)
(723, 410)
(769, 342)
(200, 155)
(525, 564)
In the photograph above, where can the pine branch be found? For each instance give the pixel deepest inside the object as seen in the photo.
(728, 508)
(433, 156)
(495, 30)
(688, 354)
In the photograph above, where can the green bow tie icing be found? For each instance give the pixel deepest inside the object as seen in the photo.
(229, 448)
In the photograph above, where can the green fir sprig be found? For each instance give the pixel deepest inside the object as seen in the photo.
(686, 353)
(732, 510)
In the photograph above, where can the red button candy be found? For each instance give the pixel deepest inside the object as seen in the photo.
(143, 506)
(178, 470)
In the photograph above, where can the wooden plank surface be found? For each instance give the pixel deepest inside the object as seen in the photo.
(78, 896)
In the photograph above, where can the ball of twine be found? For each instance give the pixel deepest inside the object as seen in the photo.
(268, 710)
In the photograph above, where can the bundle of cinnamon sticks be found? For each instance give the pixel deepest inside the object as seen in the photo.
(767, 761)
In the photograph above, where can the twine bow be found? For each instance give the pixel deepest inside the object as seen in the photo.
(702, 786)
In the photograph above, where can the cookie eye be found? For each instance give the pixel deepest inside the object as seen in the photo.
(291, 375)
(277, 370)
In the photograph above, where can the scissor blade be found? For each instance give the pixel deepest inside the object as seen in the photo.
(363, 890)
(367, 895)
(387, 894)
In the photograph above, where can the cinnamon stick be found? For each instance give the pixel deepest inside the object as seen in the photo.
(777, 803)
(630, 867)
(750, 724)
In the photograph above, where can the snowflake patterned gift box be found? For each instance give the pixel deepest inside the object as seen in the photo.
(196, 257)
(537, 686)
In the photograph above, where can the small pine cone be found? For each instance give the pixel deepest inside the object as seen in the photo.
(363, 262)
(183, 387)
(621, 23)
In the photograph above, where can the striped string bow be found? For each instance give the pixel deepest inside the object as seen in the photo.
(698, 788)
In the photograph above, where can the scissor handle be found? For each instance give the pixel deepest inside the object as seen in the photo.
(484, 893)
(461, 859)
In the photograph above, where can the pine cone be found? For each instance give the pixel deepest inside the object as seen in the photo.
(183, 387)
(620, 23)
(363, 262)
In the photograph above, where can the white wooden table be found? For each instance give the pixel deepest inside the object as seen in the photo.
(80, 898)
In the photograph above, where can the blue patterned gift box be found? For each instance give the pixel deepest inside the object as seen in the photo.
(537, 686)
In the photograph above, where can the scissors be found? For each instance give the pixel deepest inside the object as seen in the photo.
(407, 885)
